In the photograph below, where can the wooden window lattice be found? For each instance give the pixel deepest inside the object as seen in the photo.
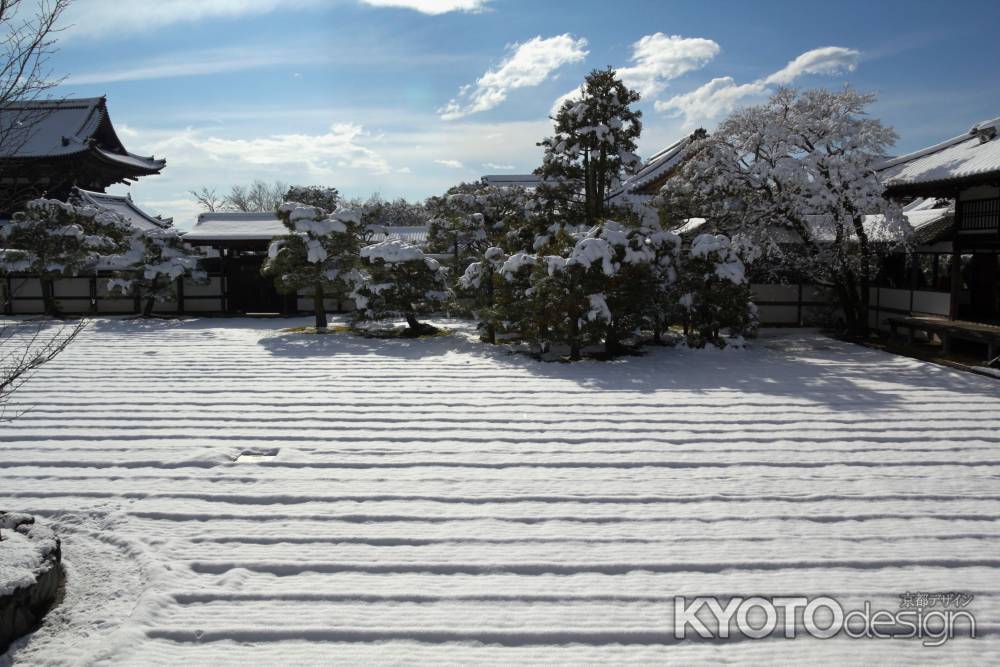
(981, 215)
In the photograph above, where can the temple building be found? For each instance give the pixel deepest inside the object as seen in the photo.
(966, 170)
(48, 147)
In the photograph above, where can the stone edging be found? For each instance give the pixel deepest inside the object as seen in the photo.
(22, 609)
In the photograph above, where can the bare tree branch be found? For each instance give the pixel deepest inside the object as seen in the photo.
(21, 354)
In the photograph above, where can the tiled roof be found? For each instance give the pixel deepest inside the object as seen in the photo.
(57, 128)
(655, 168)
(973, 154)
(266, 226)
(125, 207)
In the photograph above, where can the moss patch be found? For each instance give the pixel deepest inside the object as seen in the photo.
(335, 328)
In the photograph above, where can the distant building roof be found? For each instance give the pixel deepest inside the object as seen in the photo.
(62, 128)
(512, 180)
(125, 207)
(228, 227)
(969, 158)
(651, 175)
(236, 227)
(415, 235)
(928, 220)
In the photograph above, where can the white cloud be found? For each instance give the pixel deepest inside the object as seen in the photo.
(432, 7)
(722, 95)
(100, 18)
(528, 64)
(655, 60)
(498, 167)
(321, 154)
(196, 63)
(454, 164)
(658, 58)
(392, 160)
(94, 18)
(825, 60)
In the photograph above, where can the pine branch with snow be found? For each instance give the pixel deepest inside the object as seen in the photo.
(397, 280)
(592, 147)
(320, 254)
(151, 265)
(52, 239)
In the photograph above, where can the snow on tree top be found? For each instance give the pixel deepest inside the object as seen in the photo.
(393, 251)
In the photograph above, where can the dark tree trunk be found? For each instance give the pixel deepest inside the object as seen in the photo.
(147, 310)
(850, 301)
(319, 307)
(611, 344)
(574, 338)
(413, 324)
(48, 298)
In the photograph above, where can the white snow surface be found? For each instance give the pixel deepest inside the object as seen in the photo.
(23, 551)
(440, 501)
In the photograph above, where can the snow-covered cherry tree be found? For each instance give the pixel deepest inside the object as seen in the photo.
(593, 147)
(52, 239)
(796, 175)
(151, 265)
(399, 281)
(320, 253)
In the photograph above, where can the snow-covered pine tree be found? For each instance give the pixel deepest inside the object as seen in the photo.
(53, 239)
(463, 235)
(479, 283)
(399, 281)
(326, 198)
(320, 253)
(660, 303)
(593, 146)
(796, 176)
(714, 294)
(530, 303)
(151, 265)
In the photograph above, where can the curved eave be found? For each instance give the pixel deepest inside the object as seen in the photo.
(144, 166)
(948, 187)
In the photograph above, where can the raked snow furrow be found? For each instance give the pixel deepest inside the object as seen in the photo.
(440, 501)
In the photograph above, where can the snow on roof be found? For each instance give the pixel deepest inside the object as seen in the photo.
(265, 226)
(823, 231)
(236, 227)
(512, 180)
(56, 128)
(125, 207)
(975, 153)
(690, 225)
(655, 168)
(416, 234)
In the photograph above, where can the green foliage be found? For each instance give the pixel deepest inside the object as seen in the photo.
(320, 254)
(52, 239)
(594, 143)
(399, 281)
(326, 198)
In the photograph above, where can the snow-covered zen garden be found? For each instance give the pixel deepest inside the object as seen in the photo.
(731, 401)
(230, 493)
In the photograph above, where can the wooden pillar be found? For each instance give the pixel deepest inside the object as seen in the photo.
(801, 323)
(956, 261)
(93, 294)
(223, 282)
(180, 295)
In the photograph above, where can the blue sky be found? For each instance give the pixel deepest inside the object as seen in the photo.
(406, 97)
